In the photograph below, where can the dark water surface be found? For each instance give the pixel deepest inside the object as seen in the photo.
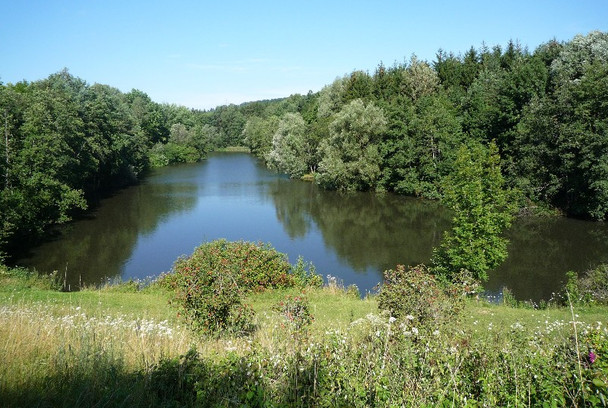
(140, 231)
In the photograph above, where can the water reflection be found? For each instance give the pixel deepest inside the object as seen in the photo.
(95, 249)
(366, 230)
(541, 251)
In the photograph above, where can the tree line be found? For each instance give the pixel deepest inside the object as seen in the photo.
(64, 141)
(398, 129)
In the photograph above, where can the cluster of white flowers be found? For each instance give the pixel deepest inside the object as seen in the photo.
(517, 326)
(78, 319)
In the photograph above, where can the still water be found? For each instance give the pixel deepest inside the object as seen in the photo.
(139, 232)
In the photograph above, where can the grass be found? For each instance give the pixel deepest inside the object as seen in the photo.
(118, 346)
(234, 149)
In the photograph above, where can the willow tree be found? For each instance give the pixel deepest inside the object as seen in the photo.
(288, 152)
(351, 159)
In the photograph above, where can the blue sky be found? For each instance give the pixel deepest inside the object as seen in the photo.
(207, 53)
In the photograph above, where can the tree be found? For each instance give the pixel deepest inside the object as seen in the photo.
(288, 153)
(482, 208)
(560, 148)
(331, 98)
(417, 156)
(419, 79)
(351, 158)
(257, 134)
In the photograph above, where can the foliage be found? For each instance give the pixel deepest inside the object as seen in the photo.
(64, 141)
(305, 276)
(351, 160)
(420, 146)
(296, 312)
(590, 287)
(288, 151)
(68, 350)
(413, 294)
(482, 208)
(209, 286)
(543, 109)
(23, 278)
(257, 134)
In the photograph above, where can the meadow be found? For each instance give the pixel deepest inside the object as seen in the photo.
(125, 345)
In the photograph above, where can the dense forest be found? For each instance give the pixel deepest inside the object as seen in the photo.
(397, 129)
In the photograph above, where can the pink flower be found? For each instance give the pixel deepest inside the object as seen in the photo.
(592, 357)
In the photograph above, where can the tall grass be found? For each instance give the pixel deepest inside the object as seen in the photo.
(63, 355)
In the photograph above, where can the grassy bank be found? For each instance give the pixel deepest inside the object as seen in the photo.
(126, 346)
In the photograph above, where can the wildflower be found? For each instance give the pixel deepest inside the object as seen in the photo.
(415, 331)
(391, 319)
(409, 317)
(592, 357)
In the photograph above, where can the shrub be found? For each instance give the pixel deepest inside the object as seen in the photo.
(586, 288)
(304, 277)
(593, 285)
(296, 311)
(414, 292)
(210, 285)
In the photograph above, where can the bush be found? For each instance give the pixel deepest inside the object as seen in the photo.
(416, 294)
(587, 288)
(25, 278)
(296, 311)
(593, 285)
(211, 284)
(304, 277)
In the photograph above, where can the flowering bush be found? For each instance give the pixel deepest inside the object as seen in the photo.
(210, 284)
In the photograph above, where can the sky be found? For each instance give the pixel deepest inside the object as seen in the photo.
(202, 54)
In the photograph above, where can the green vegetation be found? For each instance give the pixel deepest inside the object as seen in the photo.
(64, 142)
(210, 284)
(124, 345)
(398, 129)
(482, 208)
(413, 295)
(264, 333)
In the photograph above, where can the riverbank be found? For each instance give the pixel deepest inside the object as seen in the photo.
(126, 345)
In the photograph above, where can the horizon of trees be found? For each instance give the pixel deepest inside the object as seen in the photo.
(398, 129)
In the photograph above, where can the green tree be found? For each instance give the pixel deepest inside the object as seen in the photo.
(257, 134)
(331, 98)
(419, 79)
(560, 147)
(419, 152)
(288, 153)
(350, 156)
(482, 208)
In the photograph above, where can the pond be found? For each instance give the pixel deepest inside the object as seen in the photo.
(141, 230)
